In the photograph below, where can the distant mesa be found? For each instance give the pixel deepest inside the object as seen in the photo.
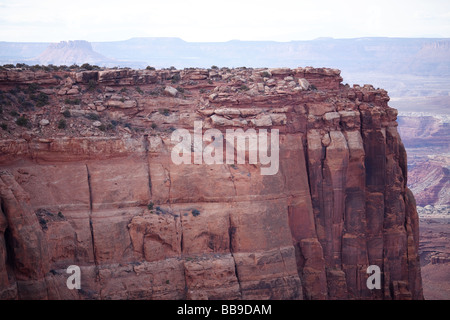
(72, 52)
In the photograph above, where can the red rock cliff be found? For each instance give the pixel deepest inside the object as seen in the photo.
(101, 191)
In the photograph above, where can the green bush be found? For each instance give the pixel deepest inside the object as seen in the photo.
(176, 78)
(22, 65)
(72, 101)
(139, 90)
(4, 126)
(22, 121)
(86, 66)
(150, 68)
(93, 116)
(66, 114)
(244, 88)
(165, 112)
(195, 212)
(33, 87)
(154, 125)
(41, 100)
(62, 124)
(150, 206)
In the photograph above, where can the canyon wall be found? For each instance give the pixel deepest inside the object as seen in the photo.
(427, 139)
(87, 179)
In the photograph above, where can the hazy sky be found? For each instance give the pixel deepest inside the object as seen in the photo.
(210, 20)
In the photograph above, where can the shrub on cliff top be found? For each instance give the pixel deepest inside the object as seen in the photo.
(180, 89)
(41, 99)
(175, 78)
(62, 124)
(66, 114)
(89, 67)
(244, 88)
(22, 121)
(72, 101)
(22, 65)
(33, 87)
(93, 116)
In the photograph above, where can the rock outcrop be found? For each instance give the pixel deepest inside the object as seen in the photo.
(108, 197)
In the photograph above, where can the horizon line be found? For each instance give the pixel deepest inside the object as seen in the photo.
(238, 40)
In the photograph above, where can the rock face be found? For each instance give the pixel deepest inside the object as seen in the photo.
(110, 199)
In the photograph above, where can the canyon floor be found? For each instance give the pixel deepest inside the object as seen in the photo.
(434, 256)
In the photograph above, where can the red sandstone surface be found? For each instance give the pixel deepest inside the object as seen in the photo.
(79, 194)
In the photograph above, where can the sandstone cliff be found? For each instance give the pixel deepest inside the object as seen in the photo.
(87, 179)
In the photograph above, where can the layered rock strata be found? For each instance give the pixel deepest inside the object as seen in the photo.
(106, 196)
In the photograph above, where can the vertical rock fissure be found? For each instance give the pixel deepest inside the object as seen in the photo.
(185, 284)
(90, 214)
(9, 248)
(305, 152)
(182, 256)
(146, 157)
(301, 261)
(181, 236)
(230, 239)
